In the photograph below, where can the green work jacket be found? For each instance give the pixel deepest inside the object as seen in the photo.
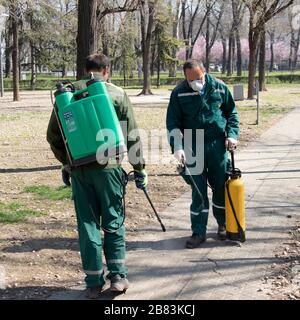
(214, 111)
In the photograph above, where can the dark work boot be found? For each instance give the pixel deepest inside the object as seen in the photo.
(195, 240)
(119, 283)
(93, 292)
(222, 233)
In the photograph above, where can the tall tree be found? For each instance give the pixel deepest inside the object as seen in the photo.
(124, 53)
(271, 33)
(14, 15)
(147, 12)
(8, 47)
(224, 55)
(258, 17)
(225, 27)
(294, 41)
(238, 9)
(90, 15)
(175, 14)
(212, 26)
(190, 15)
(165, 45)
(274, 30)
(262, 61)
(86, 36)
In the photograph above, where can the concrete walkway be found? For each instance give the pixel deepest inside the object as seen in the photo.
(160, 98)
(161, 268)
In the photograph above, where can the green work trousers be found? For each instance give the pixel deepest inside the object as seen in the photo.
(216, 165)
(98, 195)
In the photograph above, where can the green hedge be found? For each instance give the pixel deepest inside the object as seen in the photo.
(47, 84)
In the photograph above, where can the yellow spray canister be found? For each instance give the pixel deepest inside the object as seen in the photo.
(235, 205)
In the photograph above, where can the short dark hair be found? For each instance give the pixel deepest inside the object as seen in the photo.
(96, 62)
(193, 63)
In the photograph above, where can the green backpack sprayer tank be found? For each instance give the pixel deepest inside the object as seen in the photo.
(90, 126)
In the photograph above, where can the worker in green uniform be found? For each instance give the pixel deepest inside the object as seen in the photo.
(202, 102)
(98, 191)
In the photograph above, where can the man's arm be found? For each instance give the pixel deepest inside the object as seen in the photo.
(55, 140)
(230, 112)
(174, 124)
(134, 143)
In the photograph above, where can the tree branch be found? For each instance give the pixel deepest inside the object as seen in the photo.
(129, 6)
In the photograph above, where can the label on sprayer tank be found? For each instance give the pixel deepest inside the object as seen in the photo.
(70, 122)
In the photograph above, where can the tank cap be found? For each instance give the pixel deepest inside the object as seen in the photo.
(59, 86)
(236, 174)
(59, 89)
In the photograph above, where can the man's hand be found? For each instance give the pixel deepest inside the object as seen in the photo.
(231, 144)
(65, 174)
(180, 156)
(141, 179)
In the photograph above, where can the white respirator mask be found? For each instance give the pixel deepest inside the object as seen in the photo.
(197, 85)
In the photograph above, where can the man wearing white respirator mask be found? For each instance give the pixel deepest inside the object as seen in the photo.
(202, 102)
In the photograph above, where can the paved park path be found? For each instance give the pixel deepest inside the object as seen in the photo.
(161, 268)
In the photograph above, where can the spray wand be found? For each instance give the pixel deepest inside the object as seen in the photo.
(130, 177)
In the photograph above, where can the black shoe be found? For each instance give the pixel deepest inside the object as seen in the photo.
(222, 233)
(93, 292)
(195, 240)
(119, 283)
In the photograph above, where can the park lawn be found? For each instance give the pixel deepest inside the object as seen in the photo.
(45, 238)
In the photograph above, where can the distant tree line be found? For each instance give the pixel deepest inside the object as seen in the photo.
(147, 36)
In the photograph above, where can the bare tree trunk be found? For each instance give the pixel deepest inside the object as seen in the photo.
(104, 27)
(230, 55)
(224, 56)
(158, 72)
(184, 32)
(272, 40)
(33, 68)
(292, 44)
(124, 70)
(262, 61)
(140, 68)
(296, 49)
(237, 14)
(260, 13)
(15, 52)
(189, 38)
(233, 54)
(152, 60)
(64, 71)
(32, 57)
(175, 32)
(253, 47)
(239, 61)
(8, 35)
(146, 44)
(87, 35)
(7, 62)
(207, 40)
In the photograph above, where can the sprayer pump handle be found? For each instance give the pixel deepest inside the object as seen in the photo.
(232, 159)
